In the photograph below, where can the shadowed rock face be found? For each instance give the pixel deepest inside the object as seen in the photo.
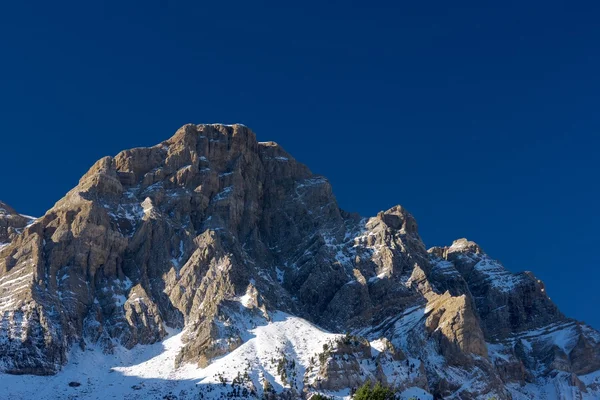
(177, 234)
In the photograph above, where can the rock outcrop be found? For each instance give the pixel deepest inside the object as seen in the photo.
(180, 234)
(11, 223)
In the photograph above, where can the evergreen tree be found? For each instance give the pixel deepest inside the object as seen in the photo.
(377, 392)
(319, 396)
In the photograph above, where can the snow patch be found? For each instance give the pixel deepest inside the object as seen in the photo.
(149, 371)
(223, 194)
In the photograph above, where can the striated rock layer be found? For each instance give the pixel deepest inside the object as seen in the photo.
(210, 226)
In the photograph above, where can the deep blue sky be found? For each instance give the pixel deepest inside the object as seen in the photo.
(482, 119)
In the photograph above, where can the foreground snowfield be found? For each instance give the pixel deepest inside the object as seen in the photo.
(147, 372)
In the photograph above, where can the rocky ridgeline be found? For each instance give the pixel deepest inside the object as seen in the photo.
(179, 234)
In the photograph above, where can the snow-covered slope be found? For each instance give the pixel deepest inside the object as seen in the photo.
(149, 372)
(278, 354)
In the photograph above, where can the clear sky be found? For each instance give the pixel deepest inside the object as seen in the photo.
(481, 118)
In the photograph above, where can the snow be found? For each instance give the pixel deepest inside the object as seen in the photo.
(411, 318)
(132, 212)
(103, 376)
(177, 261)
(377, 277)
(18, 278)
(346, 250)
(492, 271)
(119, 299)
(223, 194)
(246, 300)
(558, 384)
(415, 393)
(312, 182)
(5, 213)
(278, 158)
(497, 351)
(562, 335)
(444, 267)
(497, 275)
(280, 275)
(148, 372)
(344, 258)
(12, 284)
(230, 125)
(591, 378)
(30, 218)
(557, 387)
(7, 304)
(125, 284)
(377, 346)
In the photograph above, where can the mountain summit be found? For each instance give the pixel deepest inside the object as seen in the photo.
(212, 265)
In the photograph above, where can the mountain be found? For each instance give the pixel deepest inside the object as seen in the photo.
(212, 265)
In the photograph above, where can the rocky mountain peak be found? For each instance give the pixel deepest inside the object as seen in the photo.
(462, 246)
(398, 218)
(465, 246)
(227, 241)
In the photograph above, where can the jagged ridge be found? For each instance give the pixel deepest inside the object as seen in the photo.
(181, 234)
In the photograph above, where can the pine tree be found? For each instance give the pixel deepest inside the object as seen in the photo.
(377, 392)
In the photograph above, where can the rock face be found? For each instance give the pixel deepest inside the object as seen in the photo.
(11, 223)
(180, 234)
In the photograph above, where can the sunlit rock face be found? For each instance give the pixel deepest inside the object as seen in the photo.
(215, 235)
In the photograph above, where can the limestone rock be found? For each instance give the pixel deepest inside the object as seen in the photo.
(211, 229)
(11, 223)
